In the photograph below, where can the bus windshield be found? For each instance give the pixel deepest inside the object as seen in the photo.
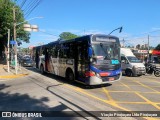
(133, 59)
(105, 50)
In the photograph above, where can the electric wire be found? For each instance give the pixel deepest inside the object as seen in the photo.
(36, 5)
(23, 3)
(30, 5)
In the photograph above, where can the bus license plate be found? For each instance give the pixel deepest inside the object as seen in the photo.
(110, 79)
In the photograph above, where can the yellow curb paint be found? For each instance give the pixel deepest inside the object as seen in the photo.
(13, 76)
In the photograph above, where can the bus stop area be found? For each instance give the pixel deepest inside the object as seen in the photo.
(4, 74)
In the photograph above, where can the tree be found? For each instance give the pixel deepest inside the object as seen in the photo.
(138, 46)
(67, 36)
(6, 22)
(157, 47)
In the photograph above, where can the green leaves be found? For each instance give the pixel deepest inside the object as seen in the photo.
(67, 36)
(6, 21)
(157, 47)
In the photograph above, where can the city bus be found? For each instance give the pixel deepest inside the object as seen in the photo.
(90, 60)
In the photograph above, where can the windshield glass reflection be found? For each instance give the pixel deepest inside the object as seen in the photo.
(107, 51)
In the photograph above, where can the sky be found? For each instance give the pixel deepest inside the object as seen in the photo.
(139, 19)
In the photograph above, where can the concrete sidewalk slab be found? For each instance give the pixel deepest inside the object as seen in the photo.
(4, 74)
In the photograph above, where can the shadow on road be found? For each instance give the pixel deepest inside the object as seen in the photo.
(63, 80)
(24, 103)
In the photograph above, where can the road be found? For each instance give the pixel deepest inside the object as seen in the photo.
(37, 92)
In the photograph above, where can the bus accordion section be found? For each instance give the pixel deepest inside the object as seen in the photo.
(90, 59)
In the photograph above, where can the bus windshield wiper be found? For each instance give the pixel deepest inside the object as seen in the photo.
(108, 56)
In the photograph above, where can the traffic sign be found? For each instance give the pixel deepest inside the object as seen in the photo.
(12, 42)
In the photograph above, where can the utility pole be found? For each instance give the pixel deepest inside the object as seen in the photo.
(123, 42)
(8, 49)
(148, 48)
(14, 32)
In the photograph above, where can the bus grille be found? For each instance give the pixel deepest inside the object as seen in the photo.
(107, 67)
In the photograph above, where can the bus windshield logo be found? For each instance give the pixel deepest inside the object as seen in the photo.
(115, 62)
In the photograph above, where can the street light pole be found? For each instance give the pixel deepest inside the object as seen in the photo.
(15, 34)
(120, 30)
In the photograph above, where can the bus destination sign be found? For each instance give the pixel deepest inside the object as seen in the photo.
(106, 39)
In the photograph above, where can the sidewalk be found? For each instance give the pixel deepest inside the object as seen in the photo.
(4, 74)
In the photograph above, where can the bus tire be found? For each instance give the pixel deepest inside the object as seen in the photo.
(70, 76)
(129, 73)
(42, 69)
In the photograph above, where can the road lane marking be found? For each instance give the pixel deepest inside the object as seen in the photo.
(147, 100)
(125, 85)
(135, 91)
(150, 79)
(144, 98)
(97, 98)
(132, 102)
(145, 86)
(105, 101)
(108, 95)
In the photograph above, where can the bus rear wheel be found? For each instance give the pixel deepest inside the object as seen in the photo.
(70, 76)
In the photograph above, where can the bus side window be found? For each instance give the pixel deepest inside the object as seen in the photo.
(71, 51)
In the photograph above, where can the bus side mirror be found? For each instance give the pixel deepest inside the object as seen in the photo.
(90, 52)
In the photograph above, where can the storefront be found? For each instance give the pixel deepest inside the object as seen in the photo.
(140, 54)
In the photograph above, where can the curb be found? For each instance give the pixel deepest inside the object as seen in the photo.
(13, 76)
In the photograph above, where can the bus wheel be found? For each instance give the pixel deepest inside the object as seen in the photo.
(70, 76)
(42, 69)
(129, 73)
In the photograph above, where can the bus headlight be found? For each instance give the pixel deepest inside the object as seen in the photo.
(97, 74)
(91, 59)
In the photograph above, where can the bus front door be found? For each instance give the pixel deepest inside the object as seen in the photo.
(82, 63)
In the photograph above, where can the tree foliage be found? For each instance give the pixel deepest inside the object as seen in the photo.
(67, 36)
(157, 47)
(6, 22)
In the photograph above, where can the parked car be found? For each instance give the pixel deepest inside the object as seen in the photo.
(27, 62)
(131, 66)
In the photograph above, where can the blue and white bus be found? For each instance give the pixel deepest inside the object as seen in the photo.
(90, 59)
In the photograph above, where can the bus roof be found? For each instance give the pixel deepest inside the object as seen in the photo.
(81, 38)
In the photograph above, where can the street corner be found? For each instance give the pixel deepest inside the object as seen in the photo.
(13, 76)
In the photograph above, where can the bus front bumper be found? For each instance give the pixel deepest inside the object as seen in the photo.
(94, 80)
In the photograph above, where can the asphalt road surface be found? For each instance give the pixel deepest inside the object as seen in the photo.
(37, 92)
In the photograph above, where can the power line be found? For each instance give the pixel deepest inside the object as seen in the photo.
(36, 5)
(29, 6)
(146, 33)
(23, 3)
